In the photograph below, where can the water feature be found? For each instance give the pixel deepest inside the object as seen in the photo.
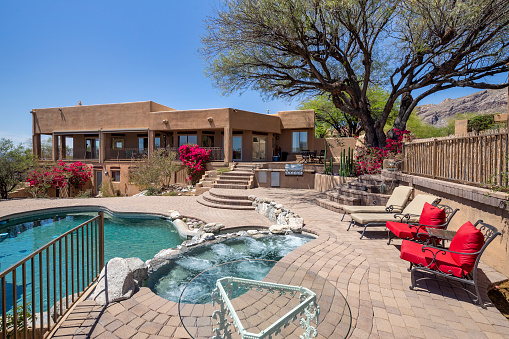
(170, 280)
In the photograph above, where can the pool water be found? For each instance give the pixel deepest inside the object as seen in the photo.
(170, 280)
(132, 236)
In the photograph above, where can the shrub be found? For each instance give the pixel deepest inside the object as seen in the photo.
(370, 159)
(60, 175)
(482, 122)
(154, 172)
(194, 159)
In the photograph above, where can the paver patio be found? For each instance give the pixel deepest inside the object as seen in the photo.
(368, 272)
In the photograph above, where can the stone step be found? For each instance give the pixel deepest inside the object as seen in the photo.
(330, 205)
(344, 200)
(363, 187)
(204, 202)
(220, 194)
(232, 181)
(237, 173)
(235, 177)
(233, 187)
(228, 201)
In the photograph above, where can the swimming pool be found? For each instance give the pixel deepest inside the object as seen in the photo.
(170, 280)
(126, 235)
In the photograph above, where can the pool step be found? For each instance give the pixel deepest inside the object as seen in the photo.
(224, 199)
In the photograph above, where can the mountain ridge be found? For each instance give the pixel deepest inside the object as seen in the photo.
(488, 101)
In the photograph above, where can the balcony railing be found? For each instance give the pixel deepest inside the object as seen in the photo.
(125, 153)
(52, 279)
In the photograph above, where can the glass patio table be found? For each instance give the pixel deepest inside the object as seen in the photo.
(288, 302)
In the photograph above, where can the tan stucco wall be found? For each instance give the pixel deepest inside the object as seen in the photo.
(307, 180)
(297, 119)
(461, 126)
(324, 182)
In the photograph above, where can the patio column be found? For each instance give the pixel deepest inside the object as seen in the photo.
(62, 147)
(151, 142)
(176, 140)
(270, 148)
(228, 141)
(102, 147)
(36, 145)
(54, 141)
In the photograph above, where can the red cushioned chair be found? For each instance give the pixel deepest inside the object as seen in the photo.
(458, 262)
(437, 216)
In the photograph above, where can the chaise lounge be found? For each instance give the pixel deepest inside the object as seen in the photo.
(395, 204)
(410, 214)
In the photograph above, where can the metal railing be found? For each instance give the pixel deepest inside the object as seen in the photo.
(125, 153)
(69, 265)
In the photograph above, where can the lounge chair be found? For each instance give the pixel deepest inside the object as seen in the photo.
(458, 262)
(395, 204)
(432, 216)
(410, 214)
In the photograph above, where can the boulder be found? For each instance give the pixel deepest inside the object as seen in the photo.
(208, 236)
(212, 227)
(139, 269)
(242, 234)
(115, 283)
(296, 224)
(251, 197)
(175, 215)
(252, 232)
(279, 229)
(181, 224)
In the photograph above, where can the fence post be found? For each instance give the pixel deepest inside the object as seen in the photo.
(434, 155)
(101, 240)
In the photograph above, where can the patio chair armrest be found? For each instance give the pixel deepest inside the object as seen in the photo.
(444, 250)
(390, 208)
(404, 217)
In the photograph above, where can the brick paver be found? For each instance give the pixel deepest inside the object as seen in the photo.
(368, 273)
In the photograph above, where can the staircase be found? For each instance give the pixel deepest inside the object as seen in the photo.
(240, 177)
(365, 190)
(227, 199)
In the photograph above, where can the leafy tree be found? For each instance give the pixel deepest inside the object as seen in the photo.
(285, 48)
(346, 125)
(14, 164)
(154, 172)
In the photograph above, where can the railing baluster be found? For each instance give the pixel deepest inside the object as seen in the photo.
(41, 292)
(66, 275)
(24, 278)
(60, 274)
(78, 262)
(83, 258)
(48, 285)
(88, 256)
(32, 262)
(14, 304)
(54, 282)
(4, 310)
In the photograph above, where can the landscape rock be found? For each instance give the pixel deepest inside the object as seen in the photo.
(296, 224)
(279, 229)
(115, 283)
(208, 236)
(252, 232)
(139, 269)
(175, 215)
(212, 227)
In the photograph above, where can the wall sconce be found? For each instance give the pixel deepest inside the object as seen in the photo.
(209, 119)
(165, 122)
(105, 172)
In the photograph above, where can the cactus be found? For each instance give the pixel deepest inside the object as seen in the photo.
(346, 167)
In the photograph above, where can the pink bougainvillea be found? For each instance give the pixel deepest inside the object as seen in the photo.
(58, 176)
(194, 158)
(370, 159)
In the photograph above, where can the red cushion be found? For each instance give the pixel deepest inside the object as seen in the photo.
(468, 239)
(412, 251)
(406, 231)
(432, 215)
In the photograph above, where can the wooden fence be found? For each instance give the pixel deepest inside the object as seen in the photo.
(474, 159)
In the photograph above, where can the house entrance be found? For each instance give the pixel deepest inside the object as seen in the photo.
(237, 148)
(259, 148)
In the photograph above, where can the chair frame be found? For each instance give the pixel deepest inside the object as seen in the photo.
(449, 212)
(490, 232)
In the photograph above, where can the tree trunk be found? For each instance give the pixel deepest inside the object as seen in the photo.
(403, 115)
(375, 137)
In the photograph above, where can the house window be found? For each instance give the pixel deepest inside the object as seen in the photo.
(207, 141)
(117, 143)
(142, 144)
(188, 139)
(299, 141)
(115, 176)
(157, 142)
(92, 148)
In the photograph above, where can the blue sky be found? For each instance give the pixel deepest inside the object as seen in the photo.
(56, 53)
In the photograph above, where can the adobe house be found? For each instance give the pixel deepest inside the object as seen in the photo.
(111, 137)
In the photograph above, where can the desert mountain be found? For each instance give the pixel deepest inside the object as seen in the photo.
(483, 102)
